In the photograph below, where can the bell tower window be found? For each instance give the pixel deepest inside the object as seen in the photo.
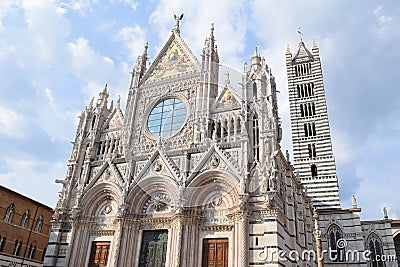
(314, 172)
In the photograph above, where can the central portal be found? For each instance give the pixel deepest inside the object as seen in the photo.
(215, 252)
(154, 248)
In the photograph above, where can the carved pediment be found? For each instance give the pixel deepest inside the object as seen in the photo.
(158, 164)
(175, 59)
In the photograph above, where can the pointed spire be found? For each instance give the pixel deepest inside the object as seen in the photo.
(227, 80)
(103, 97)
(315, 49)
(255, 59)
(314, 44)
(255, 54)
(288, 49)
(212, 38)
(90, 106)
(119, 101)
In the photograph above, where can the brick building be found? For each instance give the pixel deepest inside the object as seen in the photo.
(24, 229)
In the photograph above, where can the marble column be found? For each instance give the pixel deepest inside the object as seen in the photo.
(178, 246)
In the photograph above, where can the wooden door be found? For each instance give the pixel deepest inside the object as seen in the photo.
(215, 252)
(99, 254)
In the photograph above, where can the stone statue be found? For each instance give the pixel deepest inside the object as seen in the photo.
(267, 201)
(354, 201)
(272, 181)
(243, 186)
(385, 213)
(177, 20)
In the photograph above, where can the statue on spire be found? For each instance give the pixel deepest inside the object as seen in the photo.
(177, 20)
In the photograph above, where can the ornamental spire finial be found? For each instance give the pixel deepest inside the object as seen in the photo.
(177, 20)
(300, 34)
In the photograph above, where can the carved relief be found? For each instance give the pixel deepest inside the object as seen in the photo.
(123, 169)
(174, 62)
(195, 159)
(139, 167)
(158, 202)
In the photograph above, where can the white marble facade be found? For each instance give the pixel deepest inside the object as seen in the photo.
(191, 160)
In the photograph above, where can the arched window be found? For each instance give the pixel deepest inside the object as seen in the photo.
(312, 131)
(39, 224)
(311, 151)
(2, 242)
(305, 130)
(301, 110)
(314, 172)
(17, 247)
(9, 213)
(255, 90)
(93, 121)
(25, 219)
(336, 248)
(256, 136)
(374, 244)
(32, 250)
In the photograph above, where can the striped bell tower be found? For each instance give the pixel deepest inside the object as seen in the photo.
(311, 138)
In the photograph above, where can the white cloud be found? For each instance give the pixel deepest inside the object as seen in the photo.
(230, 20)
(381, 17)
(82, 6)
(10, 123)
(24, 176)
(133, 38)
(131, 3)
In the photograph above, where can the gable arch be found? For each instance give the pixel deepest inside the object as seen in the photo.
(396, 234)
(140, 193)
(98, 195)
(209, 185)
(373, 236)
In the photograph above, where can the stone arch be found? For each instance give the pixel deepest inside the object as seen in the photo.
(375, 245)
(145, 188)
(98, 196)
(209, 185)
(336, 242)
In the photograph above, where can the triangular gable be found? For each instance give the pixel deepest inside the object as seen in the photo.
(107, 172)
(159, 164)
(215, 158)
(302, 53)
(228, 99)
(174, 59)
(115, 120)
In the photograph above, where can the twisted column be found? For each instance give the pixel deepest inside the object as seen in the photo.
(117, 243)
(178, 247)
(243, 234)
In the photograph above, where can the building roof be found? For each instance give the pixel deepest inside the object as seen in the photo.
(25, 197)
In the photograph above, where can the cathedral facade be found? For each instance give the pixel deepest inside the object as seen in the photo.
(191, 173)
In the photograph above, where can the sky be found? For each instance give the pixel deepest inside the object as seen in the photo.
(56, 55)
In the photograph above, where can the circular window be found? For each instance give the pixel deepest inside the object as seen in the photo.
(167, 118)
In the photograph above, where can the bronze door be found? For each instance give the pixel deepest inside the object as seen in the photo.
(215, 252)
(99, 254)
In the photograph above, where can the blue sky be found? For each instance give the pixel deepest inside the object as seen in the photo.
(56, 55)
